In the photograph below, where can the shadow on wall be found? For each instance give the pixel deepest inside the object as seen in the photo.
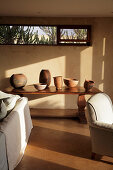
(72, 70)
(13, 57)
(103, 57)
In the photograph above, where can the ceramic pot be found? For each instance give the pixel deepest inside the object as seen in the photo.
(45, 77)
(58, 82)
(70, 82)
(88, 84)
(40, 86)
(18, 80)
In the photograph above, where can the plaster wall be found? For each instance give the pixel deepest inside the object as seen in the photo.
(94, 62)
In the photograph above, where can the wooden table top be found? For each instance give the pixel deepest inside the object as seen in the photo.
(30, 89)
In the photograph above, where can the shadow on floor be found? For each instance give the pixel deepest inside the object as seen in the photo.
(60, 141)
(38, 164)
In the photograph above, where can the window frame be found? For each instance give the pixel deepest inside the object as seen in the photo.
(58, 27)
(88, 40)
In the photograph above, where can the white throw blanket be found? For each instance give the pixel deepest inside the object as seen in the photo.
(17, 128)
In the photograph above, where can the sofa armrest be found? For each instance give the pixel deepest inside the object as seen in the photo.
(103, 126)
(17, 126)
(21, 102)
(20, 105)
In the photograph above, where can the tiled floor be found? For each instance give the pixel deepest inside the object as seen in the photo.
(60, 144)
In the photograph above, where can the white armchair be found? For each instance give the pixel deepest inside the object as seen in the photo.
(100, 119)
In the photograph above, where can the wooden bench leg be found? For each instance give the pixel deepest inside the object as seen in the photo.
(93, 155)
(81, 108)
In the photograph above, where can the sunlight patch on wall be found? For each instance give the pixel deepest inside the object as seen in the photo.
(102, 76)
(104, 44)
(56, 66)
(86, 65)
(101, 86)
(50, 102)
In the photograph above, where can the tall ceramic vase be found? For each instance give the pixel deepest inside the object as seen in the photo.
(45, 77)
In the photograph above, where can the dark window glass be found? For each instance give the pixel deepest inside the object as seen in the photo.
(45, 35)
(12, 34)
(74, 35)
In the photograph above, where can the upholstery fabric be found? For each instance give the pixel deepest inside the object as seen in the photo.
(7, 103)
(3, 110)
(17, 128)
(10, 102)
(4, 95)
(101, 107)
(3, 154)
(100, 119)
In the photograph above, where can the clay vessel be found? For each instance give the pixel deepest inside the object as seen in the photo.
(18, 80)
(70, 82)
(45, 77)
(88, 84)
(40, 86)
(58, 82)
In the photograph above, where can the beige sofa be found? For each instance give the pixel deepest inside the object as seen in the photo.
(15, 130)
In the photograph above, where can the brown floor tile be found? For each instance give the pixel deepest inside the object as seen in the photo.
(61, 144)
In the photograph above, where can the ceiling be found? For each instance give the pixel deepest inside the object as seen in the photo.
(57, 8)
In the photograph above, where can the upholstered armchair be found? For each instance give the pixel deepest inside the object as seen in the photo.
(100, 119)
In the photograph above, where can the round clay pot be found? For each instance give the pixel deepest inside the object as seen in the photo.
(18, 80)
(45, 77)
(88, 84)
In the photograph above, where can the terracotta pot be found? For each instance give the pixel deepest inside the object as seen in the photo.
(70, 82)
(45, 77)
(18, 80)
(58, 82)
(88, 84)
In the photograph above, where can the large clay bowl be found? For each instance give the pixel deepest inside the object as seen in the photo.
(70, 82)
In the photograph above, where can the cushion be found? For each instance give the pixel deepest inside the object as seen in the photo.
(3, 110)
(7, 103)
(5, 95)
(10, 102)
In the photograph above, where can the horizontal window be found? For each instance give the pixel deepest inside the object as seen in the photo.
(12, 34)
(74, 35)
(45, 35)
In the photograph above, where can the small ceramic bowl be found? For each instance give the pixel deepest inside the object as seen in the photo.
(40, 86)
(70, 82)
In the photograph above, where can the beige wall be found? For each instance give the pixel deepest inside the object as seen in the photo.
(94, 62)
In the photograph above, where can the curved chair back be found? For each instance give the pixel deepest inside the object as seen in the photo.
(100, 108)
